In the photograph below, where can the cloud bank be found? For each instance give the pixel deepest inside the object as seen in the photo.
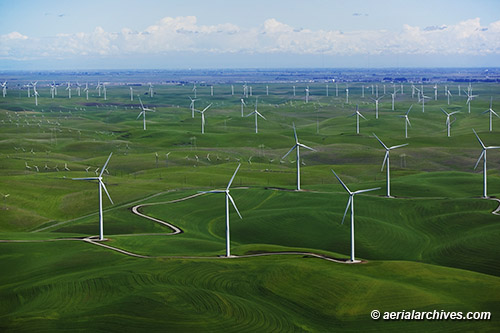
(184, 34)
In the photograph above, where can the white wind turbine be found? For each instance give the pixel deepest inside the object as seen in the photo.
(104, 91)
(68, 88)
(435, 92)
(232, 90)
(307, 94)
(99, 87)
(350, 202)
(143, 113)
(228, 198)
(151, 92)
(4, 88)
(192, 106)
(483, 155)
(376, 100)
(357, 114)
(242, 105)
(422, 98)
(469, 96)
(78, 87)
(297, 146)
(131, 94)
(35, 92)
(101, 187)
(448, 122)
(347, 94)
(491, 112)
(293, 90)
(407, 121)
(55, 87)
(257, 114)
(448, 93)
(52, 90)
(203, 118)
(387, 162)
(393, 95)
(86, 90)
(194, 90)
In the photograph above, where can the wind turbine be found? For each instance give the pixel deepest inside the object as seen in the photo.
(393, 95)
(387, 161)
(257, 114)
(131, 94)
(194, 90)
(491, 112)
(151, 90)
(98, 87)
(143, 113)
(52, 90)
(422, 99)
(242, 105)
(104, 91)
(376, 105)
(86, 90)
(407, 121)
(192, 106)
(78, 85)
(4, 88)
(68, 88)
(435, 92)
(203, 118)
(297, 146)
(35, 92)
(347, 94)
(228, 198)
(469, 96)
(307, 94)
(101, 187)
(483, 155)
(293, 90)
(350, 202)
(448, 122)
(357, 114)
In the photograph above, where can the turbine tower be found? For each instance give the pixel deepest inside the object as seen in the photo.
(4, 88)
(469, 96)
(297, 148)
(242, 105)
(483, 156)
(387, 161)
(101, 187)
(192, 106)
(350, 202)
(228, 198)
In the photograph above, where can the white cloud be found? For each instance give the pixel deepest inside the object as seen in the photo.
(185, 34)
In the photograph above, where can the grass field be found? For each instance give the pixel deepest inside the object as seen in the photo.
(433, 246)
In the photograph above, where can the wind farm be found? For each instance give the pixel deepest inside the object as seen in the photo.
(167, 234)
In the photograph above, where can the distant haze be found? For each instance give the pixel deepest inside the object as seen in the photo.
(258, 34)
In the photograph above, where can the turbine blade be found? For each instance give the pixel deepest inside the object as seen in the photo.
(234, 205)
(347, 208)
(294, 146)
(216, 191)
(361, 115)
(295, 134)
(307, 147)
(105, 164)
(205, 109)
(408, 120)
(106, 190)
(140, 114)
(248, 115)
(376, 137)
(478, 139)
(368, 190)
(232, 178)
(88, 178)
(479, 159)
(341, 182)
(398, 146)
(385, 159)
(446, 113)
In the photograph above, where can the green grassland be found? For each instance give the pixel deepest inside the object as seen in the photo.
(433, 246)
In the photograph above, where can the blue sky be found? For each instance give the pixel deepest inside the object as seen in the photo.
(206, 34)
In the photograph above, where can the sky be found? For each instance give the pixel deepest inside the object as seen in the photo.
(180, 34)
